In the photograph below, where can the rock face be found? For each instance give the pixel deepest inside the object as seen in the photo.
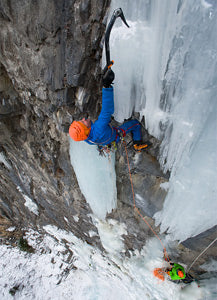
(49, 75)
(49, 49)
(146, 178)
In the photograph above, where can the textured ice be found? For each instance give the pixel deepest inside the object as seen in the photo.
(96, 177)
(166, 69)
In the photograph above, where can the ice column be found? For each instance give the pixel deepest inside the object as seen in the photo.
(96, 177)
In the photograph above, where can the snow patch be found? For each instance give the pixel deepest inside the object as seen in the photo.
(92, 233)
(10, 229)
(65, 267)
(67, 221)
(206, 4)
(80, 94)
(210, 266)
(44, 189)
(136, 158)
(4, 161)
(110, 233)
(29, 203)
(76, 218)
(165, 185)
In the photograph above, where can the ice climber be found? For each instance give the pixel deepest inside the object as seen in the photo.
(100, 132)
(176, 273)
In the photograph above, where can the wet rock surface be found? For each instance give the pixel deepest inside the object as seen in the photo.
(146, 178)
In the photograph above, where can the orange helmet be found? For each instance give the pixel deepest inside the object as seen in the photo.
(180, 274)
(78, 131)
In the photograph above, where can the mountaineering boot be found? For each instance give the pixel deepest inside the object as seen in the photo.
(140, 145)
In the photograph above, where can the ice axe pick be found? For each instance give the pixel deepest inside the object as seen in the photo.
(117, 13)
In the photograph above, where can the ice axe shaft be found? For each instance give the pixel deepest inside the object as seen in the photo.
(117, 13)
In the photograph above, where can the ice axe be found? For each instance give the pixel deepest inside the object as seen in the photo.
(117, 13)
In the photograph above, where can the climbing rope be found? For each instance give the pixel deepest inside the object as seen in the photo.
(166, 256)
(202, 253)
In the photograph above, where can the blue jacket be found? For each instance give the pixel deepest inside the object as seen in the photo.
(102, 133)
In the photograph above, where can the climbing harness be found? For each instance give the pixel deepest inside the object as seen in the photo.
(107, 149)
(112, 147)
(166, 256)
(117, 13)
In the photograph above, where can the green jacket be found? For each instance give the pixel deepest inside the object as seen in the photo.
(174, 272)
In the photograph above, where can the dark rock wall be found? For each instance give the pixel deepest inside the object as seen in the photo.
(50, 48)
(49, 74)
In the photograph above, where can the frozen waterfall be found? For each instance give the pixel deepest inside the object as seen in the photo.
(166, 69)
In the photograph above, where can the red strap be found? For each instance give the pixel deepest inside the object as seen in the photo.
(120, 129)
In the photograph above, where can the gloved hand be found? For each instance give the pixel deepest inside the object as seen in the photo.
(108, 77)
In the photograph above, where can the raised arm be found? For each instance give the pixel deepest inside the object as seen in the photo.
(107, 106)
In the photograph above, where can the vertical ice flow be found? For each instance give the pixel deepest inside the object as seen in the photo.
(166, 69)
(96, 177)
